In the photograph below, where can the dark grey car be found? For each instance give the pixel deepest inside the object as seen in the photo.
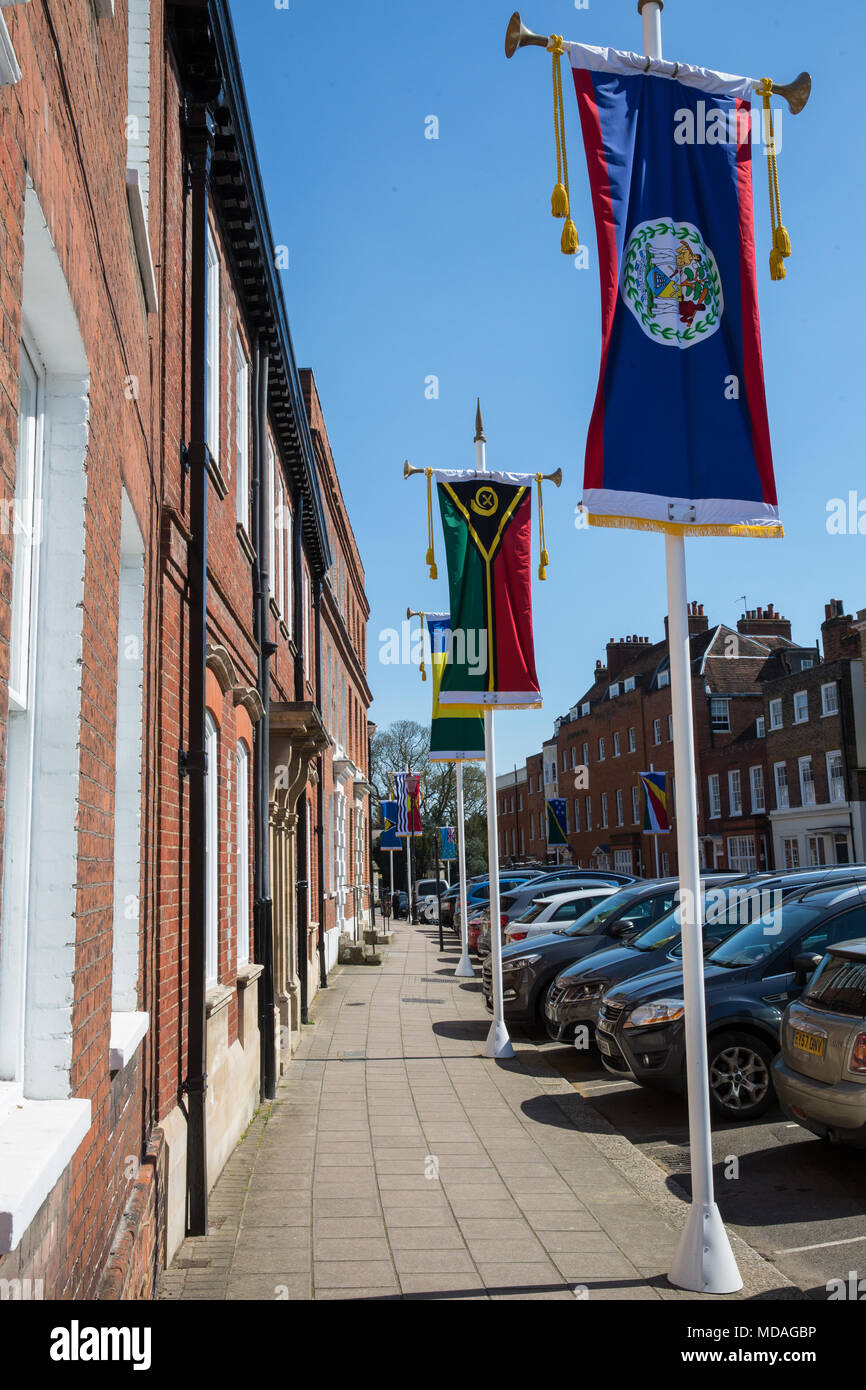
(514, 903)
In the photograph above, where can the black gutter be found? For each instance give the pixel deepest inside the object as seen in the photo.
(320, 795)
(263, 909)
(199, 151)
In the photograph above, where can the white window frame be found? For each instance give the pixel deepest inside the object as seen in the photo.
(715, 795)
(837, 779)
(756, 785)
(601, 752)
(242, 854)
(212, 852)
(632, 741)
(629, 684)
(272, 522)
(776, 721)
(616, 746)
(657, 731)
(212, 349)
(816, 851)
(664, 679)
(791, 851)
(586, 755)
(588, 810)
(801, 710)
(26, 527)
(804, 768)
(783, 791)
(760, 727)
(635, 805)
(826, 707)
(620, 814)
(742, 854)
(242, 434)
(735, 792)
(720, 708)
(604, 810)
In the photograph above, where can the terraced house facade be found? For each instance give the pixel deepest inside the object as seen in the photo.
(780, 740)
(167, 744)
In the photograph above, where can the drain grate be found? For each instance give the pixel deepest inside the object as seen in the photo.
(422, 1001)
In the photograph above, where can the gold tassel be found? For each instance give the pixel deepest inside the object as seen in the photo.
(781, 240)
(430, 558)
(544, 558)
(560, 200)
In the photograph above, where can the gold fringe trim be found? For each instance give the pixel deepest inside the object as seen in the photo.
(677, 528)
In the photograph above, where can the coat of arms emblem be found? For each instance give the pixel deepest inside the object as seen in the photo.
(671, 283)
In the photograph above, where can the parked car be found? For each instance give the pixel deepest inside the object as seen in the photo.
(528, 970)
(478, 894)
(550, 912)
(820, 1073)
(426, 897)
(515, 904)
(749, 979)
(575, 996)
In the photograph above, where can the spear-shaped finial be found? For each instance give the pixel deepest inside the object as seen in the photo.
(479, 423)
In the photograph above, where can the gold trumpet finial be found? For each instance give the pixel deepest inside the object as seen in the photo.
(795, 93)
(518, 36)
(555, 478)
(408, 470)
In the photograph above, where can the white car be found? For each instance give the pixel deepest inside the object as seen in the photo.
(559, 910)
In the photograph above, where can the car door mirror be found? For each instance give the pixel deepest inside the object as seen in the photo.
(805, 965)
(623, 927)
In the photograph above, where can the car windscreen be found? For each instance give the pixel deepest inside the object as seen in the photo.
(534, 910)
(756, 941)
(839, 986)
(614, 906)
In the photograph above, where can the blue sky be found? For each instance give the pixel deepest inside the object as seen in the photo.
(412, 257)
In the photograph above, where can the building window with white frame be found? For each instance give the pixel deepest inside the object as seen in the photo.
(791, 851)
(576, 816)
(720, 716)
(801, 707)
(588, 809)
(835, 776)
(756, 782)
(211, 743)
(242, 851)
(616, 748)
(586, 755)
(829, 699)
(601, 753)
(742, 858)
(715, 795)
(664, 679)
(735, 792)
(807, 782)
(780, 777)
(760, 727)
(816, 851)
(604, 810)
(657, 731)
(212, 349)
(620, 815)
(635, 805)
(242, 435)
(775, 714)
(632, 741)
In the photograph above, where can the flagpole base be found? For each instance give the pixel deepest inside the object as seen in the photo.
(464, 969)
(704, 1261)
(498, 1043)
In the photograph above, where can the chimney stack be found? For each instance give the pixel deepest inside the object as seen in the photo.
(764, 622)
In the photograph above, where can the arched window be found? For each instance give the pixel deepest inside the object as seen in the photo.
(242, 841)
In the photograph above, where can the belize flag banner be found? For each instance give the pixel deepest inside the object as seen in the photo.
(656, 820)
(679, 439)
(487, 520)
(456, 731)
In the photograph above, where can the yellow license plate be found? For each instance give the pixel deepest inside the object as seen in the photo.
(809, 1042)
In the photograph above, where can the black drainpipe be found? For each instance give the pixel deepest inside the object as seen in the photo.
(320, 796)
(301, 913)
(263, 908)
(199, 144)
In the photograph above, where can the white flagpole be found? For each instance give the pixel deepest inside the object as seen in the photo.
(703, 1261)
(498, 1043)
(464, 969)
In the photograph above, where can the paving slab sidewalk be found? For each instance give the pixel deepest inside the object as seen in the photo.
(397, 1162)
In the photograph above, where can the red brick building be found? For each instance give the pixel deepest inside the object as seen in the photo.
(182, 629)
(622, 726)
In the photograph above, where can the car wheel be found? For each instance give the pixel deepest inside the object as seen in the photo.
(740, 1083)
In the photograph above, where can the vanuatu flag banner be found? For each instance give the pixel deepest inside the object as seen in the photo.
(486, 518)
(556, 831)
(656, 820)
(678, 439)
(456, 731)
